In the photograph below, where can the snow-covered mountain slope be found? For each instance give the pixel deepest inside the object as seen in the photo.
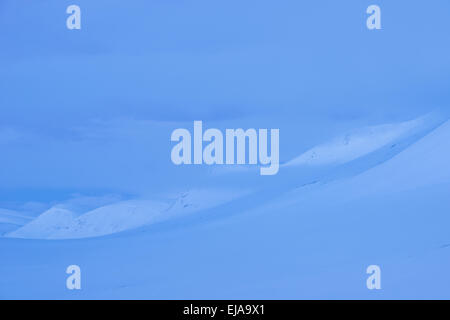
(44, 225)
(309, 243)
(360, 142)
(424, 163)
(427, 162)
(111, 219)
(58, 223)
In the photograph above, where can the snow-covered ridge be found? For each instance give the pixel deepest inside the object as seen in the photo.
(45, 225)
(423, 164)
(60, 223)
(360, 142)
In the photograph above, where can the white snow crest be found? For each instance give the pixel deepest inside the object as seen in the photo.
(59, 223)
(356, 144)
